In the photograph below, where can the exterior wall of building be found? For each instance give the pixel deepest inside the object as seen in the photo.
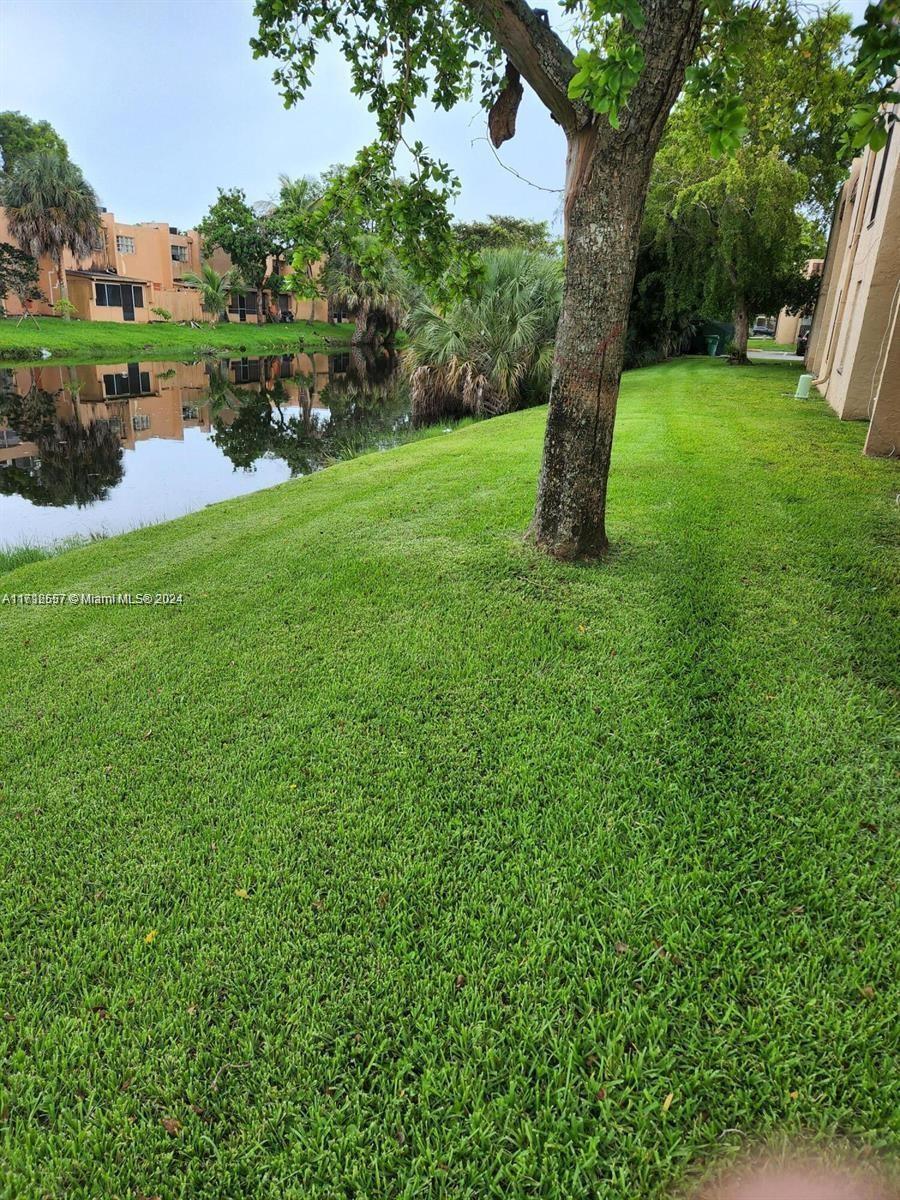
(83, 294)
(183, 303)
(154, 245)
(853, 344)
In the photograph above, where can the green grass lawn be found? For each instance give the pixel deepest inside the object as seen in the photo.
(761, 343)
(110, 341)
(401, 861)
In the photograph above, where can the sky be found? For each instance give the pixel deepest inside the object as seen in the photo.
(161, 103)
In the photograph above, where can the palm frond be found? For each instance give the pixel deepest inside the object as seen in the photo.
(491, 351)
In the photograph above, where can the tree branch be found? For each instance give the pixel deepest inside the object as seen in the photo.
(538, 54)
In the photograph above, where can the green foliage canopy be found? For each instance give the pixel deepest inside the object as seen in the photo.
(50, 206)
(18, 274)
(737, 230)
(506, 232)
(232, 224)
(20, 135)
(401, 54)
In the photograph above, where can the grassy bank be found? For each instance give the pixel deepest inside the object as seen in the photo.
(109, 341)
(398, 860)
(17, 556)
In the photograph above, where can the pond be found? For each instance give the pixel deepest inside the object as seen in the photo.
(100, 449)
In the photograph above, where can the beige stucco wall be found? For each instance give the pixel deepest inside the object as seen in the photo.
(852, 349)
(182, 303)
(152, 257)
(787, 327)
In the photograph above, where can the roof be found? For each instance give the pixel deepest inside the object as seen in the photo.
(110, 276)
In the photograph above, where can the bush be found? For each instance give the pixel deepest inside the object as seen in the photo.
(65, 308)
(162, 313)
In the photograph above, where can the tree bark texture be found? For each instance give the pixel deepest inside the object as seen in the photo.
(741, 318)
(360, 326)
(602, 235)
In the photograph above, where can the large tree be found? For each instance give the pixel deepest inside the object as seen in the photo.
(20, 135)
(378, 299)
(296, 198)
(612, 100)
(51, 208)
(736, 230)
(242, 233)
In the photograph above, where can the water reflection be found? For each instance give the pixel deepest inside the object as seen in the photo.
(103, 448)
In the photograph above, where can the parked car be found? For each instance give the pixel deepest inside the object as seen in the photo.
(761, 331)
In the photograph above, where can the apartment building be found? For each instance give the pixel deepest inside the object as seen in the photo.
(854, 343)
(133, 269)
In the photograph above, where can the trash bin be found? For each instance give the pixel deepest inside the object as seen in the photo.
(712, 344)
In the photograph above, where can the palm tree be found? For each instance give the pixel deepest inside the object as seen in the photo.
(214, 289)
(298, 195)
(490, 352)
(51, 208)
(378, 299)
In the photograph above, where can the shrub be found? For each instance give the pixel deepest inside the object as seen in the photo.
(162, 313)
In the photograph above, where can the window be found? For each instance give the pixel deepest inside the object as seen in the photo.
(138, 293)
(140, 423)
(124, 245)
(246, 370)
(109, 295)
(132, 382)
(190, 412)
(179, 254)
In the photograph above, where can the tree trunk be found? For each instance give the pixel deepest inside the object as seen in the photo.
(602, 235)
(607, 176)
(361, 326)
(63, 285)
(260, 307)
(741, 332)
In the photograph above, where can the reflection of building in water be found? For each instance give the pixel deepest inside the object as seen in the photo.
(139, 401)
